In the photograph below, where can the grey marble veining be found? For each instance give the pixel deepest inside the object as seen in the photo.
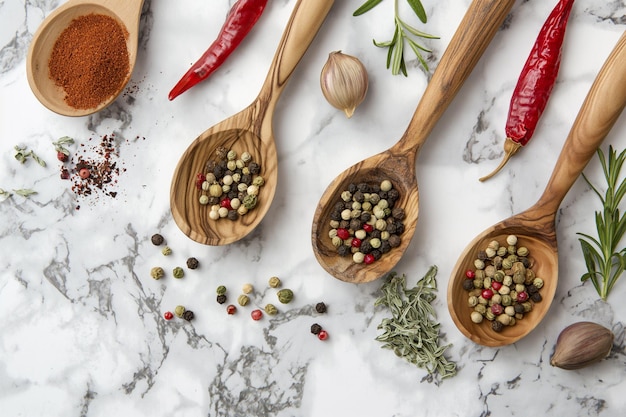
(82, 330)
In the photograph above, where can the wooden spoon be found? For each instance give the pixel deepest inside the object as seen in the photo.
(126, 12)
(397, 164)
(535, 227)
(249, 130)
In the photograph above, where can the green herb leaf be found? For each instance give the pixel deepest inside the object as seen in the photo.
(367, 6)
(59, 145)
(604, 262)
(402, 32)
(24, 192)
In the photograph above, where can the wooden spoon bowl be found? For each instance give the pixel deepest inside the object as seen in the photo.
(478, 27)
(535, 227)
(125, 12)
(249, 130)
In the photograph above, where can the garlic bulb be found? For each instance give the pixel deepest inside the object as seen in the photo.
(344, 82)
(581, 344)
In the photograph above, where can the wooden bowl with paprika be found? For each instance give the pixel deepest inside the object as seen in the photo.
(82, 55)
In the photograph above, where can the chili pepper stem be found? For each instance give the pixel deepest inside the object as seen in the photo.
(510, 148)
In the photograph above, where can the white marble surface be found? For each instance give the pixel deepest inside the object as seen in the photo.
(82, 332)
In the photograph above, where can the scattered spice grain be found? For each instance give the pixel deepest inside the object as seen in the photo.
(157, 239)
(192, 263)
(188, 315)
(90, 60)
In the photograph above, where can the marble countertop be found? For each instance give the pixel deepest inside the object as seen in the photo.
(82, 330)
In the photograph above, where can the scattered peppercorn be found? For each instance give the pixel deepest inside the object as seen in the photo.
(192, 263)
(168, 315)
(322, 335)
(271, 309)
(316, 328)
(179, 310)
(157, 239)
(84, 173)
(178, 272)
(274, 282)
(221, 290)
(231, 309)
(243, 300)
(167, 251)
(320, 308)
(256, 314)
(188, 315)
(247, 288)
(157, 272)
(221, 298)
(285, 295)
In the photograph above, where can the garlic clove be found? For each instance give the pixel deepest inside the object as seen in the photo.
(344, 82)
(581, 344)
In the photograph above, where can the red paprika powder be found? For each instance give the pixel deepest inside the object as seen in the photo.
(90, 60)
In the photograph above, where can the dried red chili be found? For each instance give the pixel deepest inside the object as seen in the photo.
(535, 83)
(240, 20)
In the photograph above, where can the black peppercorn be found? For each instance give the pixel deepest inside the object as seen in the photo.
(192, 263)
(519, 309)
(320, 307)
(188, 315)
(233, 215)
(363, 187)
(157, 239)
(316, 328)
(359, 197)
(394, 241)
(385, 246)
(532, 289)
(221, 298)
(536, 297)
(497, 326)
(352, 188)
(366, 216)
(343, 250)
(398, 213)
(525, 261)
(468, 285)
(377, 254)
(393, 194)
(482, 255)
(254, 168)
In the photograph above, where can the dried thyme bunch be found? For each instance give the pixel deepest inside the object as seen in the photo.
(413, 332)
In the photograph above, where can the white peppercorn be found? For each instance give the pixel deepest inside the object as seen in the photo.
(511, 240)
(358, 257)
(204, 199)
(476, 317)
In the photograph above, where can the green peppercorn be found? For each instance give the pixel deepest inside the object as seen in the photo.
(157, 272)
(179, 311)
(274, 282)
(178, 272)
(243, 300)
(285, 295)
(221, 290)
(271, 309)
(166, 251)
(249, 201)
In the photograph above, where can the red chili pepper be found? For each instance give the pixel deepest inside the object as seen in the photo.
(535, 83)
(240, 20)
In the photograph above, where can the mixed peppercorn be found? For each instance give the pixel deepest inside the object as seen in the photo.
(502, 286)
(230, 185)
(364, 222)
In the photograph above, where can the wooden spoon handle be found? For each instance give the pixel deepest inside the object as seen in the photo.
(601, 108)
(476, 30)
(305, 21)
(128, 11)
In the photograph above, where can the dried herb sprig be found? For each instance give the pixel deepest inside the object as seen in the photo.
(605, 262)
(413, 332)
(59, 145)
(403, 33)
(21, 154)
(24, 192)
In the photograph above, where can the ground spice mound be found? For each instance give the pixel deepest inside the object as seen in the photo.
(90, 60)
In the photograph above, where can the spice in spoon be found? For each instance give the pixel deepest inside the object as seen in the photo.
(535, 83)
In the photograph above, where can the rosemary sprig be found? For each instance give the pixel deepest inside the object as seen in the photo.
(403, 34)
(605, 262)
(412, 332)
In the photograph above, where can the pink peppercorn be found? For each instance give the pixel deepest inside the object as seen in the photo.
(522, 296)
(369, 259)
(368, 228)
(168, 315)
(496, 285)
(487, 294)
(356, 243)
(469, 274)
(497, 309)
(322, 335)
(231, 309)
(84, 173)
(343, 233)
(225, 202)
(256, 314)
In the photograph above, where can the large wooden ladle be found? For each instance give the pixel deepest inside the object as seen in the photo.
(535, 227)
(249, 130)
(126, 12)
(476, 30)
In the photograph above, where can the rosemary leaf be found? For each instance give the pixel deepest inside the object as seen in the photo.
(403, 32)
(413, 332)
(605, 263)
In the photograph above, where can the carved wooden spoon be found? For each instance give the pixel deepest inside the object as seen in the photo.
(397, 164)
(249, 130)
(126, 12)
(535, 227)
